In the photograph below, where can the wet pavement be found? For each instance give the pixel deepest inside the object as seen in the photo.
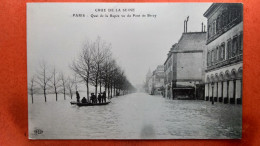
(134, 116)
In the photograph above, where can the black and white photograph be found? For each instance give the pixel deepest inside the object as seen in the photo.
(134, 70)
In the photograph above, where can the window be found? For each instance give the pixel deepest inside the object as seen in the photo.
(240, 43)
(217, 53)
(214, 28)
(208, 58)
(223, 50)
(217, 24)
(212, 57)
(234, 46)
(229, 49)
(220, 53)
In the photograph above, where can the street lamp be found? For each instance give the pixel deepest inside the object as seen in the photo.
(195, 89)
(212, 86)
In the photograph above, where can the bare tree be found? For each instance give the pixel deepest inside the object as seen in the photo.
(95, 66)
(70, 85)
(75, 82)
(43, 79)
(83, 65)
(99, 52)
(55, 82)
(32, 87)
(63, 84)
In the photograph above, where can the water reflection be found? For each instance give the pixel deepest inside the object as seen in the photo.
(135, 116)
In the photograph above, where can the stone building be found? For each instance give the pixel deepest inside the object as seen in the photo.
(184, 67)
(168, 70)
(148, 81)
(156, 81)
(188, 65)
(223, 74)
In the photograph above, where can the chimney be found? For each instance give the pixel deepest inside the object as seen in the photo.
(202, 27)
(187, 24)
(184, 25)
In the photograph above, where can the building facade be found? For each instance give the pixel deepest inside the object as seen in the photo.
(185, 67)
(168, 71)
(188, 66)
(223, 74)
(156, 81)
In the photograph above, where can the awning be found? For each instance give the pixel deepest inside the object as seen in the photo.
(182, 88)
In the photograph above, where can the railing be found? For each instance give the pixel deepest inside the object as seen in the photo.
(224, 29)
(231, 60)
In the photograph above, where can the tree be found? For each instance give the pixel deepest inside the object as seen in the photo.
(32, 87)
(83, 65)
(43, 79)
(55, 82)
(99, 54)
(70, 85)
(63, 84)
(96, 66)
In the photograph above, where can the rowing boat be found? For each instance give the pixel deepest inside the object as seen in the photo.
(91, 104)
(73, 102)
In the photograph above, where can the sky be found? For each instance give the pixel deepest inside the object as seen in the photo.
(56, 36)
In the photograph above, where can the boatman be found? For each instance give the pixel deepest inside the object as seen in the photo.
(77, 96)
(99, 97)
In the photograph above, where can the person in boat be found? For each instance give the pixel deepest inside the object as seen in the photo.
(93, 98)
(99, 97)
(84, 100)
(104, 97)
(77, 96)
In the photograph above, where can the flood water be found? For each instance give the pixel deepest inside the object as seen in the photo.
(134, 116)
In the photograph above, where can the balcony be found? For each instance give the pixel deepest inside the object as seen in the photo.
(229, 61)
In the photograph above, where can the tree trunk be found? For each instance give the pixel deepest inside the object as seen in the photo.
(32, 97)
(87, 88)
(71, 94)
(96, 83)
(108, 89)
(64, 92)
(56, 94)
(44, 92)
(111, 90)
(114, 90)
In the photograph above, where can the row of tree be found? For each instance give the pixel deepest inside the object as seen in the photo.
(96, 66)
(47, 81)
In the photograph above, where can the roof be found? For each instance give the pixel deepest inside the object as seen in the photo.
(211, 9)
(191, 41)
(170, 53)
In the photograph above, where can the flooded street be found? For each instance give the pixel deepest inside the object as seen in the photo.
(135, 116)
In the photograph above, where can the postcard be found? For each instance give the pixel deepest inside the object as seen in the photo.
(135, 70)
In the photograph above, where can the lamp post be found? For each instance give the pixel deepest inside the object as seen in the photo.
(212, 86)
(195, 89)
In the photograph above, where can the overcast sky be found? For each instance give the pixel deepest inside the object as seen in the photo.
(54, 35)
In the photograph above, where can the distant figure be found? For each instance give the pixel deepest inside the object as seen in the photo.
(212, 100)
(77, 96)
(104, 97)
(99, 97)
(84, 100)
